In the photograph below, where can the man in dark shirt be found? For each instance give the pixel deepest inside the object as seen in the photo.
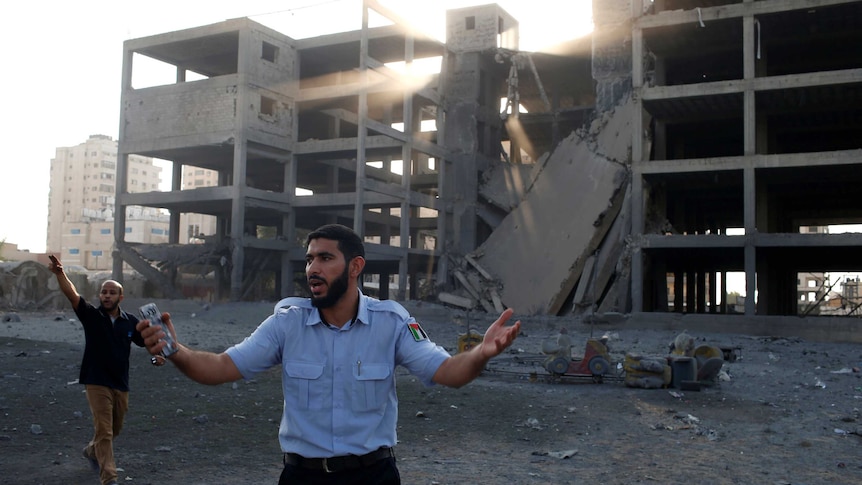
(108, 334)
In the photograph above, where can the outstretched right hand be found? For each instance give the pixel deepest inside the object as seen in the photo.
(55, 266)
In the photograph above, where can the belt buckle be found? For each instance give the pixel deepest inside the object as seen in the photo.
(326, 466)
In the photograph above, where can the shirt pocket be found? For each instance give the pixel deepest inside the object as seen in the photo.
(301, 381)
(372, 386)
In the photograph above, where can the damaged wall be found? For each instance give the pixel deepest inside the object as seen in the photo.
(28, 285)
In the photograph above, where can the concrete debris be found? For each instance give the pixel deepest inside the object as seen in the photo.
(557, 454)
(28, 285)
(531, 423)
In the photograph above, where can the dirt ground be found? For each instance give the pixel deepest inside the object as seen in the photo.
(786, 412)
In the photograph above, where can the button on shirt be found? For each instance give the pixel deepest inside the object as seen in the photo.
(339, 384)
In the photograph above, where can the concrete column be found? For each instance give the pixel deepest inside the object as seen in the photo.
(120, 214)
(176, 185)
(383, 294)
(122, 172)
(362, 132)
(443, 209)
(690, 292)
(411, 126)
(288, 224)
(237, 216)
(749, 219)
(637, 212)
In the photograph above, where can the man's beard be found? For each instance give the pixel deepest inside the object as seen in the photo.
(334, 292)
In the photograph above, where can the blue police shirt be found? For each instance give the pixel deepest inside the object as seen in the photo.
(338, 384)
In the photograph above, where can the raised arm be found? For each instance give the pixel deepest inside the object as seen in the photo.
(204, 367)
(462, 368)
(66, 285)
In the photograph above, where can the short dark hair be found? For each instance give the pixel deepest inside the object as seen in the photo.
(349, 243)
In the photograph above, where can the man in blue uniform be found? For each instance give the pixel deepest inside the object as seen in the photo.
(338, 351)
(108, 333)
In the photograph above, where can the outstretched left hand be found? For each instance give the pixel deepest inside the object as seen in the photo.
(498, 337)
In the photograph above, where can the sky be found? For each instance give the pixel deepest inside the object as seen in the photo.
(63, 62)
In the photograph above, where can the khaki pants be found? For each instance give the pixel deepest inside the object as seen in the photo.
(108, 407)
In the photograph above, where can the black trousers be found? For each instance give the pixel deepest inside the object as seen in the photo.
(384, 472)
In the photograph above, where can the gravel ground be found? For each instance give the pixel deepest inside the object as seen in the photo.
(786, 411)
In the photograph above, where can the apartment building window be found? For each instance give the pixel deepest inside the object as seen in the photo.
(199, 172)
(106, 176)
(268, 106)
(157, 231)
(96, 252)
(269, 52)
(106, 188)
(109, 164)
(75, 231)
(470, 22)
(74, 251)
(133, 182)
(128, 230)
(134, 170)
(198, 182)
(104, 231)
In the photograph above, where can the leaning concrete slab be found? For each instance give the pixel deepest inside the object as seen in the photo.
(540, 248)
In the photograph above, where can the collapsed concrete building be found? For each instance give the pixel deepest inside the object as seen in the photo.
(609, 180)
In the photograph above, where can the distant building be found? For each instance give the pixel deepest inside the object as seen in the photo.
(10, 252)
(195, 228)
(81, 203)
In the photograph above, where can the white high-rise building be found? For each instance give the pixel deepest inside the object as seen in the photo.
(82, 200)
(195, 228)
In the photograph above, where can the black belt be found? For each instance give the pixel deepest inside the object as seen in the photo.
(339, 463)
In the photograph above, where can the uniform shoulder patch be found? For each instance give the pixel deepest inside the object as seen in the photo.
(417, 332)
(391, 306)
